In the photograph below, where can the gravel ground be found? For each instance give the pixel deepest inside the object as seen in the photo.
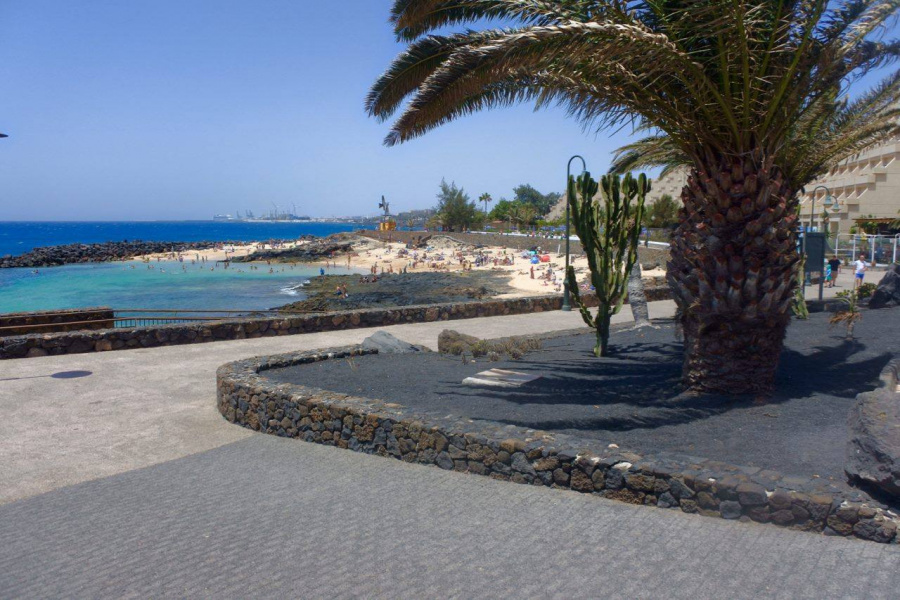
(632, 398)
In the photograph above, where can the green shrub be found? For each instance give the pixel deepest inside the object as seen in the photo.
(866, 290)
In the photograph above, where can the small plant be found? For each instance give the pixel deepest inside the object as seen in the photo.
(866, 290)
(480, 348)
(850, 315)
(468, 346)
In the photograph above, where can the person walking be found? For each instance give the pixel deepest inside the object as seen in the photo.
(861, 267)
(835, 264)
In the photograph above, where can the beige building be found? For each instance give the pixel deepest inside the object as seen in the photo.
(868, 184)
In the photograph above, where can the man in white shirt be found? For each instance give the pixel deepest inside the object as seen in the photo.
(861, 267)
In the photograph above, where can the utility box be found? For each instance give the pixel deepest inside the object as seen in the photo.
(815, 249)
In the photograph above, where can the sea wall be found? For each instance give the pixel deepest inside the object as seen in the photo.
(50, 321)
(646, 255)
(77, 342)
(511, 453)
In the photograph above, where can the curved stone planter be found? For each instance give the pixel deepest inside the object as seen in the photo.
(510, 453)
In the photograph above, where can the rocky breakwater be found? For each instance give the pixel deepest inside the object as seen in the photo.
(315, 249)
(54, 256)
(399, 289)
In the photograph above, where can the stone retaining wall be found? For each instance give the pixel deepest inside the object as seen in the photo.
(23, 323)
(511, 453)
(519, 242)
(76, 342)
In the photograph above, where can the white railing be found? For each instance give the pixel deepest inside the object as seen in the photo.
(878, 249)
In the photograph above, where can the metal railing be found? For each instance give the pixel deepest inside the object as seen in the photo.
(145, 317)
(878, 249)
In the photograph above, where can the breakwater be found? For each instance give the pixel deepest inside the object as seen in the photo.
(68, 254)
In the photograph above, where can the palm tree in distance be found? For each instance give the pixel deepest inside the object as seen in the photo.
(486, 198)
(731, 84)
(514, 214)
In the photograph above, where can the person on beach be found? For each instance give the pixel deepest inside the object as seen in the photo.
(835, 264)
(861, 267)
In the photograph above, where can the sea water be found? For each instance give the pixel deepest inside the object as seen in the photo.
(155, 285)
(18, 237)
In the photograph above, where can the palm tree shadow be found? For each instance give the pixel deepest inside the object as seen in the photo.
(639, 387)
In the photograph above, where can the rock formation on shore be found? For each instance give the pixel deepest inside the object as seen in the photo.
(398, 290)
(53, 256)
(316, 249)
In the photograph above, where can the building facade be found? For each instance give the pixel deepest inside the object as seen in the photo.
(865, 185)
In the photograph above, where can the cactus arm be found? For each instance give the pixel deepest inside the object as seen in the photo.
(576, 296)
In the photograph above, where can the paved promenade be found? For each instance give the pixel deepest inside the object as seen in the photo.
(128, 483)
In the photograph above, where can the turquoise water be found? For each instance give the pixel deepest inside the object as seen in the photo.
(167, 285)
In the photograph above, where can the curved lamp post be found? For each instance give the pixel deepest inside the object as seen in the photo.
(565, 303)
(828, 201)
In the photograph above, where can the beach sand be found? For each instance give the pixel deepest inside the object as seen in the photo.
(444, 256)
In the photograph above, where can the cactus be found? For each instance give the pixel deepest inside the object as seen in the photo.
(609, 231)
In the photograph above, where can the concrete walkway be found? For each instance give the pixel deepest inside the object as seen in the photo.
(128, 483)
(142, 407)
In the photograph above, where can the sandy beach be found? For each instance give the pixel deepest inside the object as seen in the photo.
(442, 255)
(446, 255)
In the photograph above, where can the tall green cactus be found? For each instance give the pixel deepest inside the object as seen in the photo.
(609, 231)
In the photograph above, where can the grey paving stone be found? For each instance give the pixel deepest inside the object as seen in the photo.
(269, 517)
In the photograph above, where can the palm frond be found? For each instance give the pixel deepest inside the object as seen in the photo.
(414, 18)
(649, 152)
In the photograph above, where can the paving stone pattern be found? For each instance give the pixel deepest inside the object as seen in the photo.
(273, 518)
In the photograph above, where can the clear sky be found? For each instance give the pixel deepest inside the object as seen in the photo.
(179, 109)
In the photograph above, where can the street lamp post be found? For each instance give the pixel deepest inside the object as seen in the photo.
(827, 201)
(565, 303)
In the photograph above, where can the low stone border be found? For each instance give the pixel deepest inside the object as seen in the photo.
(511, 453)
(76, 342)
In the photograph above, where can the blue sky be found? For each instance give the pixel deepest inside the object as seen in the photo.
(181, 109)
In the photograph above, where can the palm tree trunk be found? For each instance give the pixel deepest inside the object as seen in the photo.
(733, 271)
(637, 300)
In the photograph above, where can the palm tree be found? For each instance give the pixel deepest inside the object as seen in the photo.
(514, 214)
(529, 215)
(486, 198)
(435, 222)
(736, 87)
